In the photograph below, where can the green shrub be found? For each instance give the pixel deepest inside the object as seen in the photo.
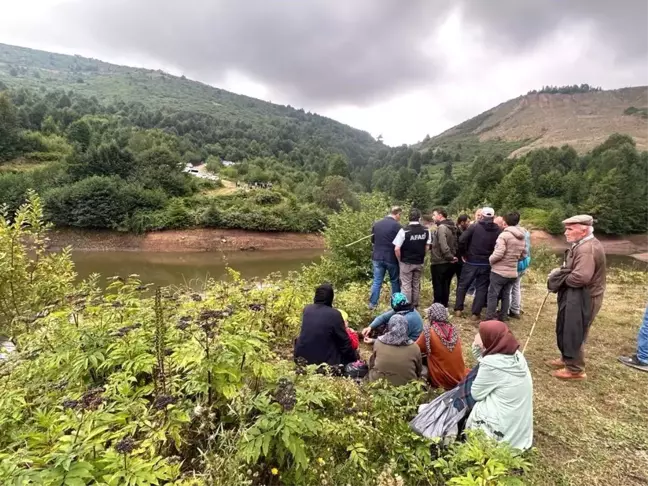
(554, 222)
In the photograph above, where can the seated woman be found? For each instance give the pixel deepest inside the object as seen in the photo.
(401, 306)
(323, 337)
(353, 335)
(502, 389)
(441, 344)
(396, 358)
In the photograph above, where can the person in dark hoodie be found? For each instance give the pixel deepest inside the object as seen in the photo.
(323, 338)
(443, 256)
(477, 243)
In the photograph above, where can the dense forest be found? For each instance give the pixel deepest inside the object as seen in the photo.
(106, 147)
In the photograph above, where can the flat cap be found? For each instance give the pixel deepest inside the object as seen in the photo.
(585, 219)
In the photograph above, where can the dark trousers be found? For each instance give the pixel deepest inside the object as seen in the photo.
(442, 274)
(500, 288)
(458, 267)
(480, 274)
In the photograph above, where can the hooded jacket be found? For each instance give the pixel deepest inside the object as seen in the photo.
(510, 248)
(323, 337)
(503, 391)
(478, 241)
(444, 244)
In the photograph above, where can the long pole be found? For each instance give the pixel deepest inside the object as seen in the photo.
(357, 241)
(536, 321)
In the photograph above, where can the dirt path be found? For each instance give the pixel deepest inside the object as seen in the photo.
(199, 239)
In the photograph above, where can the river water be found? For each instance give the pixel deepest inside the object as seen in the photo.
(190, 268)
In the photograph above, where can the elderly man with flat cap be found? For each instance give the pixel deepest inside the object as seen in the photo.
(580, 285)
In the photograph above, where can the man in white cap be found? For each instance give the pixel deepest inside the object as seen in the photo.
(477, 244)
(580, 284)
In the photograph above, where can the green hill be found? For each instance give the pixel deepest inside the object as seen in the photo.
(154, 90)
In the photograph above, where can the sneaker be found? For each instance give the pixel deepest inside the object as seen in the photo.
(371, 307)
(475, 318)
(633, 362)
(557, 363)
(565, 374)
(513, 315)
(458, 313)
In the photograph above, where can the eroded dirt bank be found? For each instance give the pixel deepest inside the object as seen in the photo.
(202, 239)
(614, 245)
(198, 239)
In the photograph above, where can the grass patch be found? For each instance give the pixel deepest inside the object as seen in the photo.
(592, 432)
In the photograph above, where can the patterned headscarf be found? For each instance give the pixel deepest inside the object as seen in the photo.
(397, 330)
(437, 316)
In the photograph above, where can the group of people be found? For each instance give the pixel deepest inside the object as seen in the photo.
(492, 255)
(488, 256)
(499, 387)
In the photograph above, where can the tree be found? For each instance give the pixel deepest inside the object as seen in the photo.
(338, 166)
(447, 170)
(335, 190)
(105, 160)
(550, 185)
(515, 190)
(402, 183)
(79, 132)
(554, 221)
(419, 195)
(9, 140)
(447, 192)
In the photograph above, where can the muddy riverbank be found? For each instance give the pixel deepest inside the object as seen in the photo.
(198, 239)
(631, 245)
(202, 239)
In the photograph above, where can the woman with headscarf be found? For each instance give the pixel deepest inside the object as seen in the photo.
(396, 357)
(323, 337)
(502, 389)
(441, 344)
(400, 305)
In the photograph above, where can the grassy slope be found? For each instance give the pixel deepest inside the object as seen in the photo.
(590, 433)
(582, 120)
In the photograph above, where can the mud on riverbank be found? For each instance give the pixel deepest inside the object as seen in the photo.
(197, 239)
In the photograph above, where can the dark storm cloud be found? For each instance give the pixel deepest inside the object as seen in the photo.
(317, 51)
(519, 24)
(322, 52)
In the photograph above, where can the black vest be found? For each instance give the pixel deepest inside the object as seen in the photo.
(413, 249)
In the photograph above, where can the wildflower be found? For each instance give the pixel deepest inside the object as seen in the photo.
(70, 403)
(321, 461)
(285, 394)
(162, 401)
(274, 471)
(125, 446)
(92, 398)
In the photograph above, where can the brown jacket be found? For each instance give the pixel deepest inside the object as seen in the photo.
(396, 364)
(510, 247)
(586, 260)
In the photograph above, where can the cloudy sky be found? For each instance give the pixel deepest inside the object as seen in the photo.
(398, 68)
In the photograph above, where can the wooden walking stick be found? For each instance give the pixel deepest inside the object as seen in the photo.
(536, 321)
(357, 241)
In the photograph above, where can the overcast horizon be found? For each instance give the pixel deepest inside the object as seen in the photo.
(402, 72)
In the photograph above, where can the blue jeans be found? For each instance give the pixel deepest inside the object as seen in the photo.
(642, 340)
(379, 270)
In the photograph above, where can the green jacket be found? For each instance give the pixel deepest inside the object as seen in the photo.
(444, 243)
(504, 393)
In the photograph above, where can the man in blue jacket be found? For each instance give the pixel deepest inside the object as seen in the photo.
(383, 233)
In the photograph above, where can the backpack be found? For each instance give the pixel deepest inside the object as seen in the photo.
(525, 262)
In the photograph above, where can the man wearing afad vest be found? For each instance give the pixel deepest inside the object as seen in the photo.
(410, 246)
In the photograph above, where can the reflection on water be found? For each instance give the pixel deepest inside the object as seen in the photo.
(190, 268)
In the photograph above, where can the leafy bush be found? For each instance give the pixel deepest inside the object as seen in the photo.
(31, 279)
(113, 387)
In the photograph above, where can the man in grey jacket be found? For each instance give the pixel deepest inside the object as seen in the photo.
(443, 256)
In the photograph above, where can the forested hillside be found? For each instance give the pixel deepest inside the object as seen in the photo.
(106, 147)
